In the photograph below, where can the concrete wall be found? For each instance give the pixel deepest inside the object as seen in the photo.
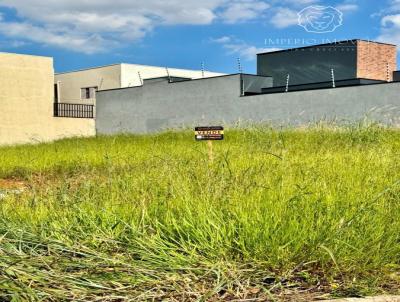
(26, 103)
(217, 101)
(161, 105)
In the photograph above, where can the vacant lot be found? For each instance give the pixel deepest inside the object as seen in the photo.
(285, 215)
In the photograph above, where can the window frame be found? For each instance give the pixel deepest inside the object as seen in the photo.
(88, 93)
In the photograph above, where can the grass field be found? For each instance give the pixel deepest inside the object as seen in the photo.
(279, 215)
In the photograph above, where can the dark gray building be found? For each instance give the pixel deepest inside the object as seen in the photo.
(350, 59)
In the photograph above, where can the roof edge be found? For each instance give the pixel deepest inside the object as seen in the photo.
(26, 55)
(133, 64)
(326, 44)
(89, 68)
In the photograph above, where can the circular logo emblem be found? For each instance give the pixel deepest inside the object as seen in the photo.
(320, 19)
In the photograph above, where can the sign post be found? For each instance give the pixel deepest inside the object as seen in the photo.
(209, 134)
(210, 151)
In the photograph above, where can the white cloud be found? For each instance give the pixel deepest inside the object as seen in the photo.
(222, 40)
(390, 24)
(394, 6)
(347, 7)
(248, 52)
(391, 20)
(390, 30)
(11, 44)
(299, 3)
(240, 48)
(285, 17)
(243, 10)
(91, 26)
(86, 44)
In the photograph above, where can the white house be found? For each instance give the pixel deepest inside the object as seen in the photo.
(79, 87)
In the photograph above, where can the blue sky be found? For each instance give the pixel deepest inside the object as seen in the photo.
(175, 33)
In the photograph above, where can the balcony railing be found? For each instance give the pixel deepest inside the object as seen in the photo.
(73, 110)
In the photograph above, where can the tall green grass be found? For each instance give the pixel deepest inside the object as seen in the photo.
(149, 217)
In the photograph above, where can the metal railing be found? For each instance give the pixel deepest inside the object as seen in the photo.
(73, 110)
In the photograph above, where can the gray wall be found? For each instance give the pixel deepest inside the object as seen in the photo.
(161, 105)
(217, 101)
(310, 65)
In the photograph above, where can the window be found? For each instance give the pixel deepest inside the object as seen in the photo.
(88, 93)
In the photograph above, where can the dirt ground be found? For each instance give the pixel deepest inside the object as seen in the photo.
(12, 184)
